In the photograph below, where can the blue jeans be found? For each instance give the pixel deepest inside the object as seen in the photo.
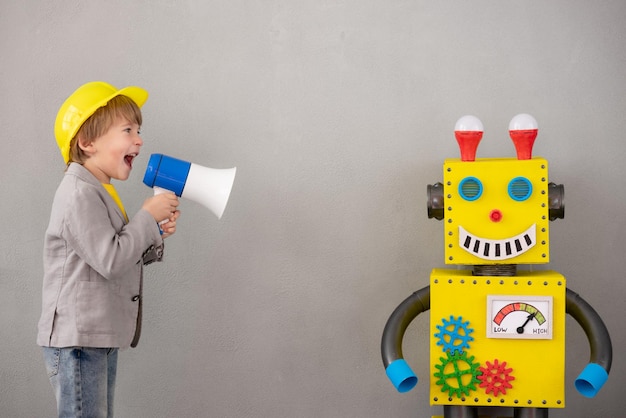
(83, 380)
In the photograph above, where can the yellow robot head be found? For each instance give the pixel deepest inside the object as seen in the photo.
(496, 210)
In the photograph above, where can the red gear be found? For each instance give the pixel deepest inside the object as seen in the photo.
(495, 377)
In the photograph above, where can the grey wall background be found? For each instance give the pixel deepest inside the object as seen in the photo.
(337, 113)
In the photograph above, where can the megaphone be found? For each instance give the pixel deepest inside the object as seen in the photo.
(208, 186)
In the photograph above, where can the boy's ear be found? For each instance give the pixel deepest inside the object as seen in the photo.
(85, 145)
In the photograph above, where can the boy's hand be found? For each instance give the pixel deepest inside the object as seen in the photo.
(169, 226)
(162, 207)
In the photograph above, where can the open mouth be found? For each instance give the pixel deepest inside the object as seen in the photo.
(502, 249)
(129, 158)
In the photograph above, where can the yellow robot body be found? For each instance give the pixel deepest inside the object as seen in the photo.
(474, 325)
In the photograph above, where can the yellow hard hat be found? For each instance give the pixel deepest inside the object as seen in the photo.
(82, 104)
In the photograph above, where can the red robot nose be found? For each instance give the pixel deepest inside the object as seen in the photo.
(495, 215)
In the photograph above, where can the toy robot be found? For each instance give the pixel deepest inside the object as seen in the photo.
(497, 335)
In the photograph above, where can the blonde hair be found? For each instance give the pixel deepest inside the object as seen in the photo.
(99, 123)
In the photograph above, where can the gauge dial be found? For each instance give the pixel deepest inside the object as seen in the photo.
(521, 317)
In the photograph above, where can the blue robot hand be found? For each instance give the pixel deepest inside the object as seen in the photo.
(401, 375)
(591, 379)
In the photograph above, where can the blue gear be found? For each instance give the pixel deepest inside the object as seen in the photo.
(454, 335)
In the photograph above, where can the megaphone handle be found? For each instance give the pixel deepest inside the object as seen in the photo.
(159, 190)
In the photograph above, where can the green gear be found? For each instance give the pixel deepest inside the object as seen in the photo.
(463, 368)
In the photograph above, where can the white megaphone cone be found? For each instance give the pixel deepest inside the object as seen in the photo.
(208, 186)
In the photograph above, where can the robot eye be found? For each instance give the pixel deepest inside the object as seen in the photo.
(470, 188)
(520, 189)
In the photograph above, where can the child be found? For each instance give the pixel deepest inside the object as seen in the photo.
(93, 253)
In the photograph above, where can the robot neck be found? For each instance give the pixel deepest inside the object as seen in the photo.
(494, 270)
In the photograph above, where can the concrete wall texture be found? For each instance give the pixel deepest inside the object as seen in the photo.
(337, 113)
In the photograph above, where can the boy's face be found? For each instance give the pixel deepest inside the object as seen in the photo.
(111, 155)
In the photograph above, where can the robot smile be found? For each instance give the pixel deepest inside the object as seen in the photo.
(500, 249)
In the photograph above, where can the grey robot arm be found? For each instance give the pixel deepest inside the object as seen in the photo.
(396, 367)
(595, 374)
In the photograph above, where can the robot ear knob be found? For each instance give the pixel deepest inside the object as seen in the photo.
(556, 201)
(435, 202)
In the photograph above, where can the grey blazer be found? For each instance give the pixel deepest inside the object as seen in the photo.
(93, 267)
